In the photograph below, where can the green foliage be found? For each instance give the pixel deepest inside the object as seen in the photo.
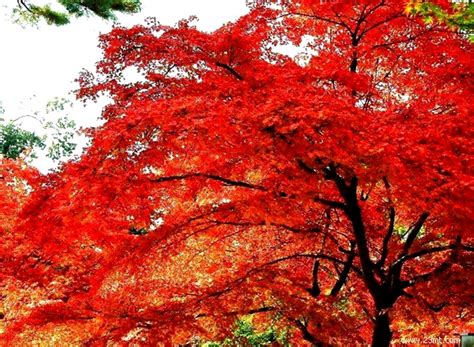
(57, 136)
(344, 305)
(245, 334)
(460, 17)
(14, 140)
(138, 231)
(103, 8)
(31, 13)
(62, 144)
(51, 16)
(402, 232)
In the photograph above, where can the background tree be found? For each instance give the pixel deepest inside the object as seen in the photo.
(58, 135)
(334, 190)
(75, 8)
(18, 179)
(15, 141)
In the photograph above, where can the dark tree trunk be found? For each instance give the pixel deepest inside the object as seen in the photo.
(382, 334)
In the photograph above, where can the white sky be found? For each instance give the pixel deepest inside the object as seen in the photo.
(37, 65)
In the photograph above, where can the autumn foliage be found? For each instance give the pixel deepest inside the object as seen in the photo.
(332, 192)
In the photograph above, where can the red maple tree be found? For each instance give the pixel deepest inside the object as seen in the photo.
(333, 189)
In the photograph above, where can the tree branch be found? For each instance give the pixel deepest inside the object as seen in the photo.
(240, 312)
(394, 273)
(413, 232)
(349, 192)
(439, 269)
(384, 21)
(303, 326)
(231, 70)
(432, 250)
(386, 239)
(315, 290)
(313, 256)
(314, 16)
(305, 166)
(330, 203)
(262, 223)
(224, 180)
(345, 271)
(21, 3)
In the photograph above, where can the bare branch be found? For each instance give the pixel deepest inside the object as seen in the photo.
(21, 3)
(315, 16)
(231, 70)
(224, 180)
(384, 21)
(432, 250)
(330, 203)
(305, 166)
(263, 223)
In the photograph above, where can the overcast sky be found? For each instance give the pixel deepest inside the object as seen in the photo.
(39, 64)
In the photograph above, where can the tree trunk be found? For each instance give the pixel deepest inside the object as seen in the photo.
(382, 334)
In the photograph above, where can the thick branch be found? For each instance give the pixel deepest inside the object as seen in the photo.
(315, 290)
(354, 213)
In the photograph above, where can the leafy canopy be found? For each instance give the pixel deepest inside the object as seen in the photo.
(333, 190)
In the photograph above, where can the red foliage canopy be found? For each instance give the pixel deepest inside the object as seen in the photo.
(334, 189)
